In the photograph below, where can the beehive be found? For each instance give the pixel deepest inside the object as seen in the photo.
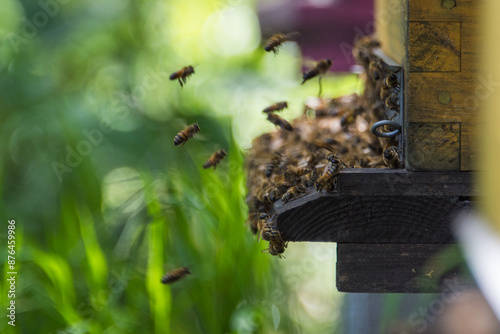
(435, 41)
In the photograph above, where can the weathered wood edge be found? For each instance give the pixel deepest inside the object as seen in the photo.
(391, 182)
(393, 268)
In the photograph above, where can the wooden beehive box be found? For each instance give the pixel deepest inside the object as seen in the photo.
(436, 42)
(391, 226)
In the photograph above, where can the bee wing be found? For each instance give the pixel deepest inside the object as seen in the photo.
(292, 36)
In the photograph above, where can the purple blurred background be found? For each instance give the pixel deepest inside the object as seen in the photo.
(328, 28)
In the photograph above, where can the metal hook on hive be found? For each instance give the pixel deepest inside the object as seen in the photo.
(390, 134)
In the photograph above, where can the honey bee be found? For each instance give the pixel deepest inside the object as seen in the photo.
(374, 70)
(278, 121)
(175, 275)
(253, 222)
(309, 179)
(183, 136)
(276, 244)
(392, 102)
(391, 81)
(273, 165)
(321, 68)
(215, 159)
(276, 107)
(293, 192)
(274, 42)
(391, 157)
(182, 74)
(332, 170)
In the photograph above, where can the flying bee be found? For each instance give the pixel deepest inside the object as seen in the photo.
(215, 159)
(183, 136)
(274, 42)
(321, 68)
(273, 165)
(324, 181)
(391, 157)
(276, 107)
(278, 121)
(182, 74)
(392, 102)
(293, 192)
(175, 275)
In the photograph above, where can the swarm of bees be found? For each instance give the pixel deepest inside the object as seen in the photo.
(308, 154)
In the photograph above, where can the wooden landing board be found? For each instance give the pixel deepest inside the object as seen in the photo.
(379, 206)
(383, 268)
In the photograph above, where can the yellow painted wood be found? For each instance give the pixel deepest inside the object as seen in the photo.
(434, 46)
(434, 146)
(425, 89)
(489, 159)
(391, 26)
(435, 10)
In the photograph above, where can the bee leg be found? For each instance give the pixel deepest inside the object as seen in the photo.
(320, 87)
(180, 82)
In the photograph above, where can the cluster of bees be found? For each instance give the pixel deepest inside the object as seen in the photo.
(308, 154)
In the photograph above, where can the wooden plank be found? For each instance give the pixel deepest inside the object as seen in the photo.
(387, 182)
(434, 46)
(425, 105)
(439, 10)
(469, 147)
(391, 25)
(386, 268)
(433, 147)
(370, 219)
(471, 56)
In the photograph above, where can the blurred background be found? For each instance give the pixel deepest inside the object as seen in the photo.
(105, 204)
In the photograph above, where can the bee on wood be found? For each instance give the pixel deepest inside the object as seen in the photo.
(183, 136)
(374, 70)
(267, 193)
(391, 157)
(321, 68)
(175, 275)
(278, 121)
(274, 42)
(332, 170)
(266, 228)
(276, 244)
(276, 107)
(182, 74)
(253, 222)
(293, 171)
(391, 81)
(215, 159)
(309, 179)
(293, 192)
(392, 102)
(273, 165)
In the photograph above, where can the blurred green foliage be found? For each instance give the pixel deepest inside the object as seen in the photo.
(105, 204)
